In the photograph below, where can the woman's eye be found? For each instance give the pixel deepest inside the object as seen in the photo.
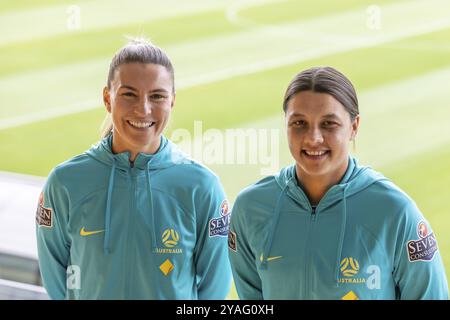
(299, 123)
(129, 94)
(157, 97)
(329, 124)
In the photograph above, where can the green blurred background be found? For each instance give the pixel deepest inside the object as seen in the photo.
(233, 61)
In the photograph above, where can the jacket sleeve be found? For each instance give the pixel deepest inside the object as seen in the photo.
(213, 272)
(419, 272)
(243, 261)
(52, 236)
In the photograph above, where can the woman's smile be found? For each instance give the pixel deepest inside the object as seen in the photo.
(141, 125)
(315, 155)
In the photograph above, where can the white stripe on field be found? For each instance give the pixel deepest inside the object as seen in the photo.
(40, 23)
(239, 5)
(213, 59)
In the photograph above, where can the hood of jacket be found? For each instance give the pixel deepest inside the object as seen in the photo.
(355, 180)
(167, 155)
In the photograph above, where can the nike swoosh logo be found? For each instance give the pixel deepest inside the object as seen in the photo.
(89, 233)
(274, 258)
(270, 258)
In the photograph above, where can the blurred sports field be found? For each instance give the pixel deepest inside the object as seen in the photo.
(233, 61)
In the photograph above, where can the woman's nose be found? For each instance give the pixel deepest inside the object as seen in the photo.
(314, 136)
(143, 108)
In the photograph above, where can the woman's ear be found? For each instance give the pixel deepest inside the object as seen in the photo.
(107, 99)
(173, 100)
(355, 126)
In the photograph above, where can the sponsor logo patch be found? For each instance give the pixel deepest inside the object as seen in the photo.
(232, 241)
(350, 296)
(425, 247)
(219, 227)
(43, 215)
(166, 267)
(224, 208)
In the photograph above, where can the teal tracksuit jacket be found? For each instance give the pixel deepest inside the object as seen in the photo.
(153, 229)
(365, 240)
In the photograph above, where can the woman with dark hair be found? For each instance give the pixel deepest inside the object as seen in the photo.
(326, 227)
(133, 217)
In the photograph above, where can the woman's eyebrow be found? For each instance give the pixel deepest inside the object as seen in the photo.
(159, 90)
(125, 86)
(296, 114)
(331, 116)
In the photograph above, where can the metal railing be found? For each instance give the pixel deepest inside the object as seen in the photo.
(12, 290)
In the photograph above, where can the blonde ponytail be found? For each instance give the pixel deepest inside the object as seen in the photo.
(107, 126)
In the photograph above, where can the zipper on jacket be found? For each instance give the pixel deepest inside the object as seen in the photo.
(307, 277)
(305, 282)
(308, 273)
(131, 230)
